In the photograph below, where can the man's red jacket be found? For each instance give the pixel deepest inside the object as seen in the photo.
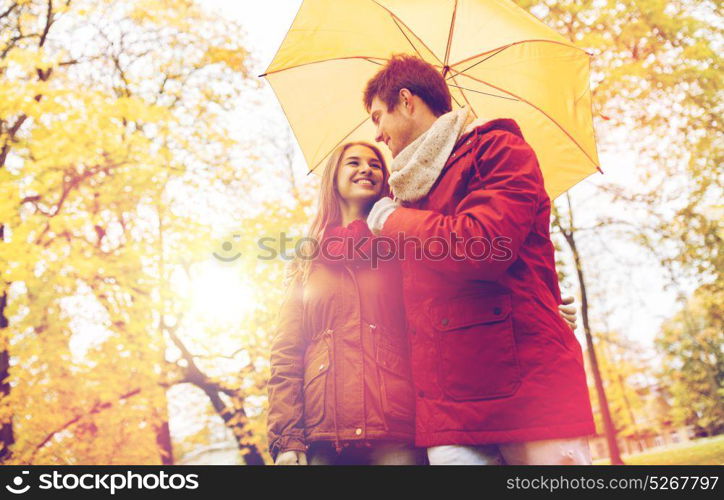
(492, 359)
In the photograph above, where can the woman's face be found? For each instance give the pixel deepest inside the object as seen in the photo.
(360, 175)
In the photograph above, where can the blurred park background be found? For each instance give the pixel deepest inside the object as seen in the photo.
(142, 159)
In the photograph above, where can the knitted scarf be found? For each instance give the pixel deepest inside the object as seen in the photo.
(416, 168)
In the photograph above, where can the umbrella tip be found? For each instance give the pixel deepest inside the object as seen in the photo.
(262, 75)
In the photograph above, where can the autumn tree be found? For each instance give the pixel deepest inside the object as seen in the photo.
(565, 225)
(624, 365)
(108, 109)
(693, 362)
(655, 78)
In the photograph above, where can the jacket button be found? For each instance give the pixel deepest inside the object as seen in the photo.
(445, 321)
(421, 394)
(454, 154)
(469, 142)
(321, 367)
(358, 431)
(497, 311)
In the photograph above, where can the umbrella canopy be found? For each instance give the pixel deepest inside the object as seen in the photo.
(497, 59)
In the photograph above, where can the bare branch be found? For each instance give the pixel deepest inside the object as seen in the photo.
(11, 138)
(48, 23)
(97, 408)
(8, 11)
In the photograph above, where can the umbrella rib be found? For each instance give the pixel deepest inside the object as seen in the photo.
(484, 93)
(408, 29)
(406, 37)
(502, 47)
(483, 60)
(456, 101)
(340, 142)
(540, 110)
(449, 38)
(366, 58)
(470, 106)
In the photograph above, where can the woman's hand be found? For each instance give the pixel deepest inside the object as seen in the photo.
(291, 458)
(568, 311)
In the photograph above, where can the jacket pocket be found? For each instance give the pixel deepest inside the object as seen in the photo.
(397, 395)
(316, 368)
(476, 346)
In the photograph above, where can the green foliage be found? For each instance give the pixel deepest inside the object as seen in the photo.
(656, 87)
(656, 74)
(693, 362)
(709, 451)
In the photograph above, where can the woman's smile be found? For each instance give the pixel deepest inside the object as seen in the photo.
(360, 174)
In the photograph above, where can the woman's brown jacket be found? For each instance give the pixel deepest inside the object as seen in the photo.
(340, 369)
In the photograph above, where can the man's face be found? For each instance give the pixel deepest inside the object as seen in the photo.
(394, 128)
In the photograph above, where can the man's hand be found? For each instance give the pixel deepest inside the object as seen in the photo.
(291, 458)
(568, 311)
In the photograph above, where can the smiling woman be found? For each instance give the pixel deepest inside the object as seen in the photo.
(220, 295)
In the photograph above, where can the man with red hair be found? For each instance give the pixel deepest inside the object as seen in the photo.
(498, 374)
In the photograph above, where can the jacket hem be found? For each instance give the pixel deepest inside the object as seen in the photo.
(351, 436)
(473, 437)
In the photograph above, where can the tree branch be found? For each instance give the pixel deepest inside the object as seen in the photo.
(97, 408)
(8, 11)
(48, 24)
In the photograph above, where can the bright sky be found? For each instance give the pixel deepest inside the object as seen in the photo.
(639, 303)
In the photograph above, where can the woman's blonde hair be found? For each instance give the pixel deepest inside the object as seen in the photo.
(328, 207)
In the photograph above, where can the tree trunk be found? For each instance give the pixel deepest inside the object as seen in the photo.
(235, 418)
(6, 431)
(163, 440)
(7, 437)
(613, 451)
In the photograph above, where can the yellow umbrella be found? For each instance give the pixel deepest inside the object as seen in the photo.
(497, 59)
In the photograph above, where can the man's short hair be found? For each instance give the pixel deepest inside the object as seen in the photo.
(404, 71)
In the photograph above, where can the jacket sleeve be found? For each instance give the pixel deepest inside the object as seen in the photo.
(498, 210)
(285, 387)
